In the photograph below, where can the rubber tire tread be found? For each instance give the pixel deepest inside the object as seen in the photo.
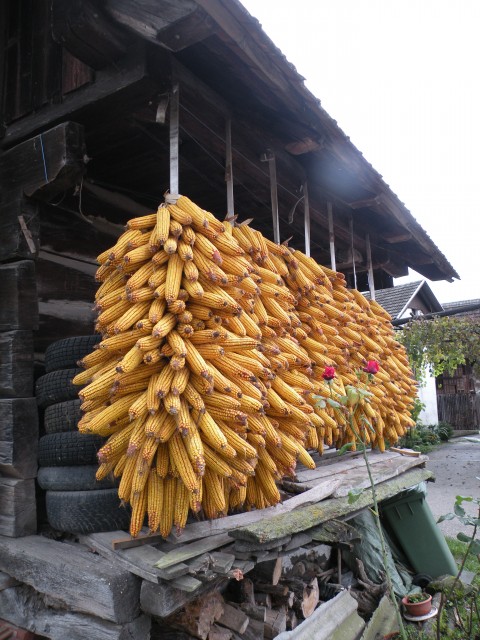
(81, 478)
(83, 512)
(68, 449)
(64, 354)
(63, 416)
(56, 387)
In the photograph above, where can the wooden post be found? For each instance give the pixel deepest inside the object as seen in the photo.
(269, 157)
(174, 138)
(353, 254)
(331, 235)
(371, 283)
(306, 209)
(229, 168)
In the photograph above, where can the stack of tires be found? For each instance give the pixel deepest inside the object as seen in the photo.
(75, 502)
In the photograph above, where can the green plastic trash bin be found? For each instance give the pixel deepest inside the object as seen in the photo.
(422, 542)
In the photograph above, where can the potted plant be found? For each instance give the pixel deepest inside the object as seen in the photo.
(417, 604)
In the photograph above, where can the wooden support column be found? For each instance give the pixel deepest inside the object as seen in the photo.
(306, 210)
(371, 283)
(174, 138)
(352, 247)
(229, 168)
(38, 169)
(269, 157)
(331, 235)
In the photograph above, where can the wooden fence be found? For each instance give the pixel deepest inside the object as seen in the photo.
(460, 410)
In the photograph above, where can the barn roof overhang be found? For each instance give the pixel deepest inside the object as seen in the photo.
(229, 69)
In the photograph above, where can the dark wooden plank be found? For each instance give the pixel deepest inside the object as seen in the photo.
(113, 85)
(18, 240)
(185, 552)
(305, 518)
(358, 478)
(18, 437)
(198, 530)
(18, 293)
(139, 561)
(147, 18)
(18, 514)
(341, 465)
(16, 364)
(85, 32)
(162, 600)
(46, 164)
(26, 608)
(86, 582)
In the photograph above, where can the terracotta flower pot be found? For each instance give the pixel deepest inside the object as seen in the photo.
(417, 608)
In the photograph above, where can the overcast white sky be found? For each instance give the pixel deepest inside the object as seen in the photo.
(401, 77)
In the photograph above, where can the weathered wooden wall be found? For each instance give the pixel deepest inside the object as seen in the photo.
(460, 410)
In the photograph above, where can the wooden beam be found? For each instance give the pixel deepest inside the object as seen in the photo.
(371, 282)
(306, 213)
(45, 165)
(87, 583)
(18, 437)
(116, 82)
(149, 18)
(299, 147)
(331, 236)
(174, 138)
(87, 33)
(399, 237)
(304, 518)
(367, 203)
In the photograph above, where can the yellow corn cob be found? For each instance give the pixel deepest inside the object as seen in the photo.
(193, 398)
(174, 277)
(213, 462)
(140, 476)
(131, 316)
(164, 326)
(211, 431)
(178, 453)
(139, 509)
(195, 449)
(214, 490)
(154, 500)
(109, 414)
(171, 404)
(161, 460)
(170, 246)
(182, 499)
(138, 408)
(125, 486)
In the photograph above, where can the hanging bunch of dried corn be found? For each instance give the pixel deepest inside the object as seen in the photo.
(213, 344)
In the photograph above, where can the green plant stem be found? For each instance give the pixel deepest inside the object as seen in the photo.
(443, 598)
(383, 546)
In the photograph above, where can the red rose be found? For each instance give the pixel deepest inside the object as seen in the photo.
(329, 373)
(372, 367)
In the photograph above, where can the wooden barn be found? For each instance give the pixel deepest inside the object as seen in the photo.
(105, 106)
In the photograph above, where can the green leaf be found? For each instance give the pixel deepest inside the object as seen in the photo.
(460, 499)
(475, 548)
(333, 403)
(345, 448)
(448, 516)
(458, 509)
(354, 495)
(320, 402)
(463, 537)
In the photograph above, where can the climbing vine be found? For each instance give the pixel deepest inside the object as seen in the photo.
(442, 344)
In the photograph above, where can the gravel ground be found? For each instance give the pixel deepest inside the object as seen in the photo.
(456, 466)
